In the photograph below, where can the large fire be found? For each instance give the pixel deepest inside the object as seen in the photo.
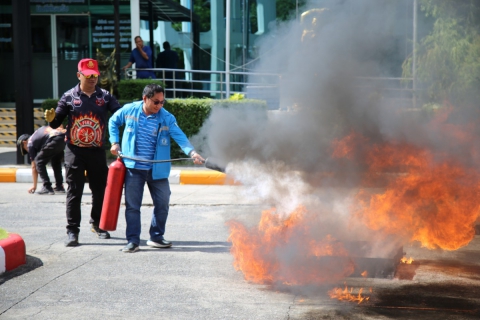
(428, 198)
(286, 250)
(407, 192)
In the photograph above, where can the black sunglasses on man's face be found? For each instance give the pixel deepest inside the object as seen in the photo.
(156, 102)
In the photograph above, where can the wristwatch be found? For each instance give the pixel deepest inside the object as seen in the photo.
(114, 143)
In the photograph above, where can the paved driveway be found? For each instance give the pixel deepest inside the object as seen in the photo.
(195, 279)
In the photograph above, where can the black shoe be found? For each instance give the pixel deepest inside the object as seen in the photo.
(101, 234)
(72, 240)
(59, 189)
(46, 190)
(131, 248)
(159, 243)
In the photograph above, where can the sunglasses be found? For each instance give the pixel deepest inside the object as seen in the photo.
(158, 102)
(89, 76)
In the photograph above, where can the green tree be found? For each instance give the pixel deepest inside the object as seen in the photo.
(448, 58)
(200, 8)
(287, 8)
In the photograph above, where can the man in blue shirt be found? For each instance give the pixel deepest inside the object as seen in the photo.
(142, 57)
(148, 128)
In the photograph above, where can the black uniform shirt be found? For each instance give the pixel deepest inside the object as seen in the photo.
(38, 139)
(88, 116)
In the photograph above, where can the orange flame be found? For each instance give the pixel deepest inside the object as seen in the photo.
(347, 294)
(430, 199)
(427, 196)
(345, 148)
(286, 250)
(406, 261)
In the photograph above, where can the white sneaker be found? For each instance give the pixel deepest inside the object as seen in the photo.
(159, 243)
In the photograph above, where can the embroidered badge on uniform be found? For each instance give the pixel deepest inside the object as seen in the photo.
(100, 102)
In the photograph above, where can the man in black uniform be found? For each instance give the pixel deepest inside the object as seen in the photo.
(168, 58)
(87, 107)
(43, 146)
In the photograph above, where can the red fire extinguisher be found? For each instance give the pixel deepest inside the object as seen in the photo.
(113, 195)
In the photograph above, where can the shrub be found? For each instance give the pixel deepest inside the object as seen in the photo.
(190, 113)
(131, 90)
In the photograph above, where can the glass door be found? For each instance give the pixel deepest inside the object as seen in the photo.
(42, 75)
(73, 44)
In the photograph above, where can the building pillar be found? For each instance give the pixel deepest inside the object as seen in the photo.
(135, 22)
(22, 48)
(217, 22)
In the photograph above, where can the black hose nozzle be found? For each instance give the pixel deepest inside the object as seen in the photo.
(210, 164)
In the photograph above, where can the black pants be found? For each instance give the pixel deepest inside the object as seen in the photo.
(52, 152)
(77, 161)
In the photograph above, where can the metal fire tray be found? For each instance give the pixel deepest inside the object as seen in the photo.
(366, 264)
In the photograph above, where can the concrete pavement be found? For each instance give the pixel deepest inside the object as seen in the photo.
(196, 279)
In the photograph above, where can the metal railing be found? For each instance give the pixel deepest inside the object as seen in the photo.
(183, 83)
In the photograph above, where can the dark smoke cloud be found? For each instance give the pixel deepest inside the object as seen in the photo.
(323, 65)
(284, 157)
(336, 73)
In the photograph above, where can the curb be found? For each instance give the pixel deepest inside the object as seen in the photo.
(9, 174)
(209, 177)
(205, 177)
(12, 252)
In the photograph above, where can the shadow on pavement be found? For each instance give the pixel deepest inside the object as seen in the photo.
(190, 246)
(32, 263)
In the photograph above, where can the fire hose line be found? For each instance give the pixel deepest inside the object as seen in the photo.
(153, 161)
(208, 164)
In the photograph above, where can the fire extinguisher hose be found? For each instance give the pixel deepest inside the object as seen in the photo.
(153, 161)
(208, 163)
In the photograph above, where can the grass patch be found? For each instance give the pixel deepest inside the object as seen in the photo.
(3, 234)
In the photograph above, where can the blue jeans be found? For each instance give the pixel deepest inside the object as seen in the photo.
(159, 190)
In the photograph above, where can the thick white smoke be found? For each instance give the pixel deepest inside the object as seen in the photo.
(326, 62)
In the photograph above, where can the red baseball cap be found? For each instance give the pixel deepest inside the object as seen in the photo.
(88, 66)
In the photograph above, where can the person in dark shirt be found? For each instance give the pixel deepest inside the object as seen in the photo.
(43, 146)
(142, 57)
(168, 59)
(86, 107)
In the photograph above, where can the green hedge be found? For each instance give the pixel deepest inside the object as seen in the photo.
(132, 90)
(190, 113)
(52, 103)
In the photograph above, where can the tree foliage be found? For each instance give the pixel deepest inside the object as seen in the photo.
(287, 8)
(200, 8)
(448, 58)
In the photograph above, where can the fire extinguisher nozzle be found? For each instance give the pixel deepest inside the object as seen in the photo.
(212, 165)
